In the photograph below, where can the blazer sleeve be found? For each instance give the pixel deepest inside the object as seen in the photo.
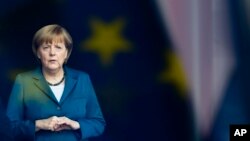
(5, 130)
(22, 128)
(93, 124)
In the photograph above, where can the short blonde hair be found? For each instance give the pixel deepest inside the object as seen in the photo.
(52, 33)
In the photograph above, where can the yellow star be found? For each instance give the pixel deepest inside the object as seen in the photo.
(174, 73)
(107, 40)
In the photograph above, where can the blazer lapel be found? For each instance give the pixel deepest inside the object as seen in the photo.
(40, 82)
(70, 81)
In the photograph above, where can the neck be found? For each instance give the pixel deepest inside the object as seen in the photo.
(53, 76)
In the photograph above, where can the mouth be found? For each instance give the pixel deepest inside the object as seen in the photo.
(52, 61)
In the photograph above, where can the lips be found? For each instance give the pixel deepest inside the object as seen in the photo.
(52, 60)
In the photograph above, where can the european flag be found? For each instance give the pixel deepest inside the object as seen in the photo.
(122, 45)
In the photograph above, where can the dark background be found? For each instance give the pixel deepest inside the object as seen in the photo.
(136, 102)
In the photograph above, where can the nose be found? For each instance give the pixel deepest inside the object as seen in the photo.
(52, 51)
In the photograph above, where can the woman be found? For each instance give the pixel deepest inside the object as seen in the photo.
(54, 102)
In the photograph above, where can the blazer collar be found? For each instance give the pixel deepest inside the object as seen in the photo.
(70, 82)
(40, 82)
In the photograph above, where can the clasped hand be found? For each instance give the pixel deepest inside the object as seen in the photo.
(56, 124)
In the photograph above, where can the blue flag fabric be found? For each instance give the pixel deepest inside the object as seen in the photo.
(121, 44)
(235, 105)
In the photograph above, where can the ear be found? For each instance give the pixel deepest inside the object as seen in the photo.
(38, 55)
(66, 54)
(66, 57)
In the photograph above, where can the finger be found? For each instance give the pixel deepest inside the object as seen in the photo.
(59, 128)
(51, 128)
(64, 118)
(55, 119)
(62, 127)
(61, 122)
(53, 125)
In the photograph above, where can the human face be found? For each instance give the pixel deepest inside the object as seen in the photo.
(52, 55)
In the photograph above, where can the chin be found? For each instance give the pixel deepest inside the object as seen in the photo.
(53, 67)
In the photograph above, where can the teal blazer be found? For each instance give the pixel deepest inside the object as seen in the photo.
(31, 99)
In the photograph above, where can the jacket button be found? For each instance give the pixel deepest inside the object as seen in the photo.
(58, 108)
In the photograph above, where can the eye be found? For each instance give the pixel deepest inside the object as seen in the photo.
(58, 47)
(45, 47)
